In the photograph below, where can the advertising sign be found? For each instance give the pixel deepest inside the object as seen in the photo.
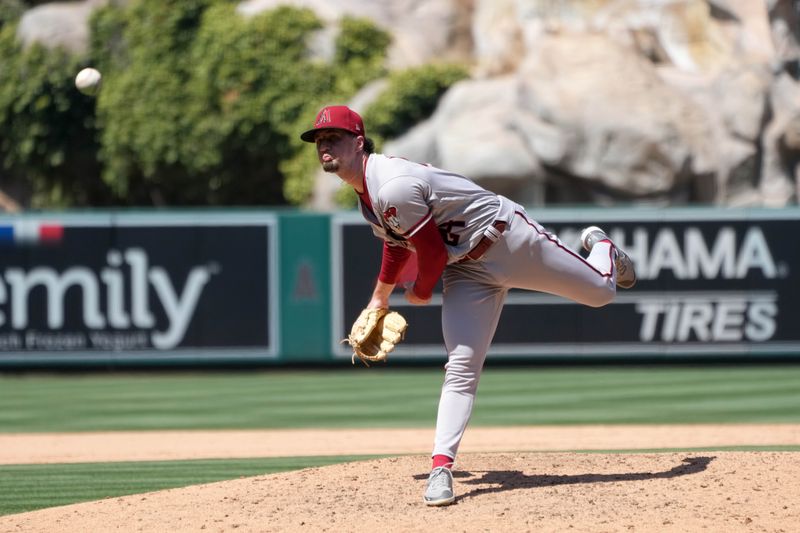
(710, 282)
(136, 287)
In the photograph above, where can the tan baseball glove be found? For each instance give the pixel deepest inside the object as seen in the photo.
(375, 333)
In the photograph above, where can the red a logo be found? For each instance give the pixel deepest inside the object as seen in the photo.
(324, 117)
(390, 216)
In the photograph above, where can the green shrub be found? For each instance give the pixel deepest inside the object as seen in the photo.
(203, 106)
(199, 105)
(411, 96)
(358, 59)
(360, 53)
(142, 106)
(47, 131)
(10, 11)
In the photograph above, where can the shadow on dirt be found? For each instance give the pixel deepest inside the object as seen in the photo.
(503, 480)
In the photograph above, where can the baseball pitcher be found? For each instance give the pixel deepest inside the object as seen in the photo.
(481, 244)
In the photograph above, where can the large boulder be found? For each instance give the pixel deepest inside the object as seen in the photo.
(59, 25)
(497, 37)
(473, 133)
(582, 108)
(784, 18)
(628, 130)
(780, 170)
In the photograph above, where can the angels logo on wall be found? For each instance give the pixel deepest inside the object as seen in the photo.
(390, 216)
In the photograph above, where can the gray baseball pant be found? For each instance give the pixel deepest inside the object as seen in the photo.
(525, 257)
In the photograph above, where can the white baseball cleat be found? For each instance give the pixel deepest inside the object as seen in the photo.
(439, 490)
(626, 274)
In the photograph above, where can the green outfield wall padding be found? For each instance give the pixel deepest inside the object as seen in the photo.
(304, 260)
(282, 287)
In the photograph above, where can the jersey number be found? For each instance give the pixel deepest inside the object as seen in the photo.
(446, 229)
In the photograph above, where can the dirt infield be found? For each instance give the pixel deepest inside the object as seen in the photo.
(32, 448)
(519, 491)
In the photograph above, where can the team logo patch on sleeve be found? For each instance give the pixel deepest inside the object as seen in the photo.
(390, 216)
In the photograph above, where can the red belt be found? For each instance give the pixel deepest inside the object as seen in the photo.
(484, 244)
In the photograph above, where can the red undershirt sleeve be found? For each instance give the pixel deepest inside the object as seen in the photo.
(394, 259)
(431, 258)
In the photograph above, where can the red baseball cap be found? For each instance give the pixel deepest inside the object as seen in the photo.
(339, 117)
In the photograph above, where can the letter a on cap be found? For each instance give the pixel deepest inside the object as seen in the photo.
(323, 118)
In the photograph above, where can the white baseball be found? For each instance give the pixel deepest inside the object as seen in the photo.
(88, 81)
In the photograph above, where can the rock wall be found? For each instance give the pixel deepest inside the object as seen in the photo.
(604, 101)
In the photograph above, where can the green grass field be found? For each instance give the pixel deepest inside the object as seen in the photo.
(29, 487)
(355, 397)
(398, 397)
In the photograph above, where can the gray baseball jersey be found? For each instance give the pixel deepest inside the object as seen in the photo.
(406, 195)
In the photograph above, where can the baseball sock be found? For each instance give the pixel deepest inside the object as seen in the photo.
(442, 460)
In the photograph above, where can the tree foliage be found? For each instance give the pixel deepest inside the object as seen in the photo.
(198, 106)
(11, 11)
(360, 50)
(410, 97)
(47, 130)
(202, 105)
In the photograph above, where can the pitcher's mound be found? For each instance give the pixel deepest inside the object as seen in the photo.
(712, 491)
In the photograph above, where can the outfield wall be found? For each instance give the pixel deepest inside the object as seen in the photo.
(282, 287)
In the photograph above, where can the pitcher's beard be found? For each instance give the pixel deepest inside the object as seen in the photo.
(330, 166)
